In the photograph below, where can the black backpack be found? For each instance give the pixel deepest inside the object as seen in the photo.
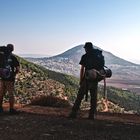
(99, 61)
(5, 68)
(100, 70)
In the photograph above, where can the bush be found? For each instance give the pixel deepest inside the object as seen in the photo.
(50, 101)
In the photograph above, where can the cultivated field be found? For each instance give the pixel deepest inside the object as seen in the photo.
(131, 85)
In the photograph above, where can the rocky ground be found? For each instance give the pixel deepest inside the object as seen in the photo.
(45, 123)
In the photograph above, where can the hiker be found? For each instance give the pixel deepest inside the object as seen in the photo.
(88, 62)
(7, 81)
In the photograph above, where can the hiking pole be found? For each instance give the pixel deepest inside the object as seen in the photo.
(105, 96)
(105, 91)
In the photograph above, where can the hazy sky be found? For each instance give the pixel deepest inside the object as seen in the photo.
(54, 26)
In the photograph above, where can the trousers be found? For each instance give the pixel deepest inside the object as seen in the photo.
(86, 86)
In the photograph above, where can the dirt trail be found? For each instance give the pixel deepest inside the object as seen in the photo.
(46, 123)
(63, 112)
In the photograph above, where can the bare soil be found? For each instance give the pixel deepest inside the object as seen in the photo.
(46, 123)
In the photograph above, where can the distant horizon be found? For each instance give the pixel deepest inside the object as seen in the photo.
(34, 55)
(46, 55)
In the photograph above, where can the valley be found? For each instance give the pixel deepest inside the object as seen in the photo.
(131, 85)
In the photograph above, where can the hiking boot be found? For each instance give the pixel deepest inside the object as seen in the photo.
(1, 110)
(13, 111)
(72, 115)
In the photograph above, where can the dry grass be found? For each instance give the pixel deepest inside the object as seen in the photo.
(50, 101)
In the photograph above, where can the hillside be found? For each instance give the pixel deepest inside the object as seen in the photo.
(36, 81)
(121, 121)
(67, 61)
(126, 75)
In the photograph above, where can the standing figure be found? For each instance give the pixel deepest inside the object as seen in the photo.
(89, 61)
(8, 69)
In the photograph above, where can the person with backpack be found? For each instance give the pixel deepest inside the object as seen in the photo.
(9, 67)
(91, 62)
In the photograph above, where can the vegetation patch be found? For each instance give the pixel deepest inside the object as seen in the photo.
(50, 101)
